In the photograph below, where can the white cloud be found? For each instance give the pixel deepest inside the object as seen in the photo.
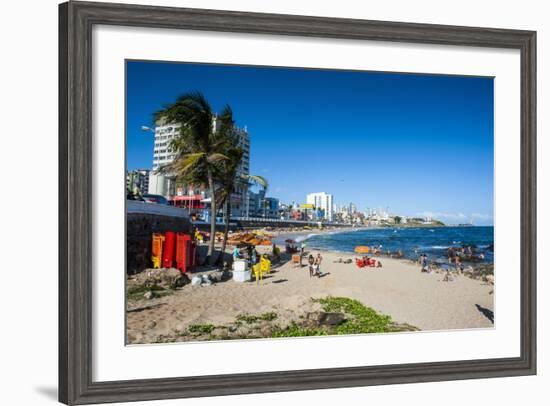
(480, 216)
(454, 217)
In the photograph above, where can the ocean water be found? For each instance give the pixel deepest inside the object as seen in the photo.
(411, 241)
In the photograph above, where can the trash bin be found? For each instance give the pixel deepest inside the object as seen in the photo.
(185, 253)
(156, 250)
(169, 247)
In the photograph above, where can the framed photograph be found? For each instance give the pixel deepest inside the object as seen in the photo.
(260, 203)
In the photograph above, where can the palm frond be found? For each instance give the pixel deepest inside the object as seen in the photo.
(259, 180)
(188, 163)
(216, 157)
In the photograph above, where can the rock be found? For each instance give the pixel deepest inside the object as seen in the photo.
(332, 319)
(148, 295)
(243, 331)
(316, 319)
(266, 331)
(151, 324)
(168, 278)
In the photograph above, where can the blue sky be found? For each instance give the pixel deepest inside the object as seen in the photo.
(418, 144)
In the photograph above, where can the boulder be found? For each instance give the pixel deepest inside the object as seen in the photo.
(168, 278)
(316, 319)
(266, 331)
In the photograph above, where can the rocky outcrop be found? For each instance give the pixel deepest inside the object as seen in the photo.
(167, 278)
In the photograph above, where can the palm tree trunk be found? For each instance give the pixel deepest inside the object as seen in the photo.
(213, 212)
(226, 230)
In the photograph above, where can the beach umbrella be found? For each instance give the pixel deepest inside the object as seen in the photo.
(362, 249)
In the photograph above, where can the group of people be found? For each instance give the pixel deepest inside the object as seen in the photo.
(468, 253)
(425, 265)
(315, 265)
(251, 254)
(368, 261)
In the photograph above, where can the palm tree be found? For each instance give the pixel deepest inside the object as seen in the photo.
(200, 146)
(229, 178)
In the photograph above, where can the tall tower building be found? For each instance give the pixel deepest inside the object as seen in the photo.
(163, 155)
(323, 201)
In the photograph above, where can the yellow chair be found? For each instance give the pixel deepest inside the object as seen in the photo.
(257, 269)
(261, 268)
(265, 265)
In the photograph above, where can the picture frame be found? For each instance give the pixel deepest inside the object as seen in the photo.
(76, 19)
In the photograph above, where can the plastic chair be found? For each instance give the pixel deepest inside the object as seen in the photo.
(265, 265)
(257, 269)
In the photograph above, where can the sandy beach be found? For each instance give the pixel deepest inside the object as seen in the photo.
(398, 289)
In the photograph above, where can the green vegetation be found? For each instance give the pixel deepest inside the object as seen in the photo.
(162, 339)
(250, 319)
(359, 318)
(295, 330)
(138, 292)
(201, 328)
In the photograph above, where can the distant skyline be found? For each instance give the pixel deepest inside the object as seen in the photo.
(421, 145)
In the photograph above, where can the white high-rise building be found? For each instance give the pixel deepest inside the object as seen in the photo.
(163, 154)
(323, 201)
(138, 178)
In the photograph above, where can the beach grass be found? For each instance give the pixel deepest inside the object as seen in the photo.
(138, 292)
(360, 319)
(357, 319)
(201, 328)
(251, 319)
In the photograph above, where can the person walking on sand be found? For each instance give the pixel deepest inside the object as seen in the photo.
(301, 254)
(311, 262)
(424, 263)
(456, 261)
(458, 265)
(317, 264)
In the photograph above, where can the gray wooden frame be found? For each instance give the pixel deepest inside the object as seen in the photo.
(76, 20)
